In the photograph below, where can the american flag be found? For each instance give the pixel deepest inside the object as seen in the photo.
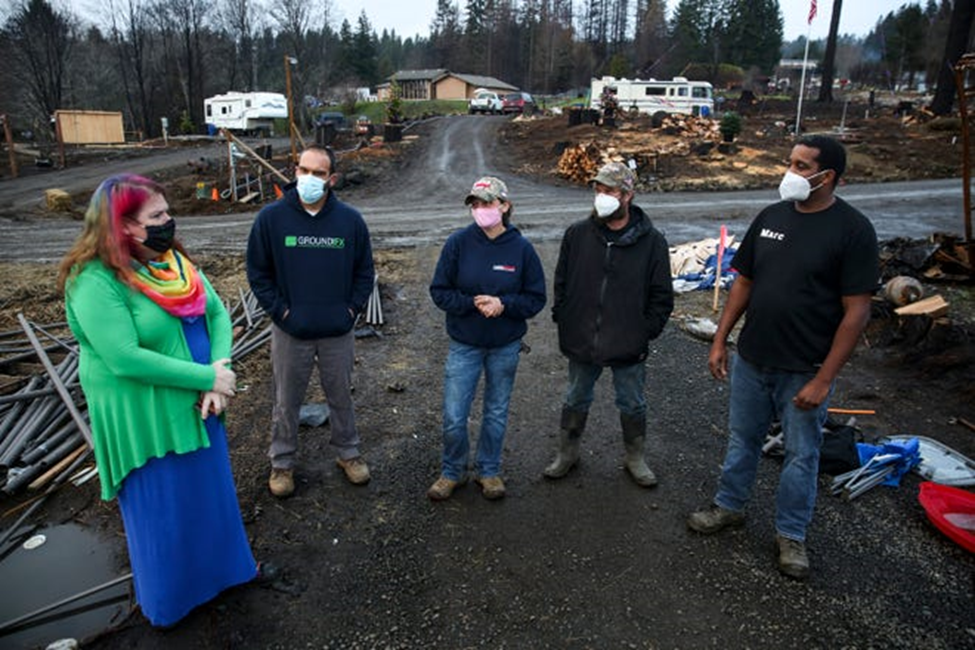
(812, 11)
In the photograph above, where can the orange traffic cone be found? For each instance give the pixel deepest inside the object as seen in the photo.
(214, 194)
(277, 192)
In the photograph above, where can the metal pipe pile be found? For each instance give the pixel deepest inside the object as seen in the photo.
(39, 431)
(251, 329)
(374, 307)
(44, 422)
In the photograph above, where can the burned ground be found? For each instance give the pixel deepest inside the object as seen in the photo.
(591, 561)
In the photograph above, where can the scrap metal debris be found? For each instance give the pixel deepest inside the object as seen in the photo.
(44, 438)
(882, 464)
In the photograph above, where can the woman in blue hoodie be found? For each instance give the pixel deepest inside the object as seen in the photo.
(489, 281)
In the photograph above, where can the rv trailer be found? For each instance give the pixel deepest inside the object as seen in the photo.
(248, 113)
(651, 96)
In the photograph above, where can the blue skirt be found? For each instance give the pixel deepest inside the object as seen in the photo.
(182, 521)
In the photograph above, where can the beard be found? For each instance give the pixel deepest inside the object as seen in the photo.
(620, 214)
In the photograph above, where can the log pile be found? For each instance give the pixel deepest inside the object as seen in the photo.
(579, 163)
(690, 126)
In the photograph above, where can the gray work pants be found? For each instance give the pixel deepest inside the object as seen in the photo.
(292, 360)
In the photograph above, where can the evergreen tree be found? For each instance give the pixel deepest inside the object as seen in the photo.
(753, 37)
(365, 48)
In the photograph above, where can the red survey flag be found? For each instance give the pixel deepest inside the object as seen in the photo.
(812, 11)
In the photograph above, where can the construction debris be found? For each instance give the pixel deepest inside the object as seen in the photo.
(932, 307)
(942, 257)
(58, 200)
(903, 290)
(693, 265)
(883, 464)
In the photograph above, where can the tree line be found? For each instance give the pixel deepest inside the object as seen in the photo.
(161, 58)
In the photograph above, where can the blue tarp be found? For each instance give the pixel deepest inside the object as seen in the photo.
(705, 278)
(906, 455)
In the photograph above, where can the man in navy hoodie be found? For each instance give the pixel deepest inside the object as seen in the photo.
(309, 263)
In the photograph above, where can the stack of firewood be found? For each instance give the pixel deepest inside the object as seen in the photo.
(690, 126)
(580, 162)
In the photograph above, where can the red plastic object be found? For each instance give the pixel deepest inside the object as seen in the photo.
(947, 507)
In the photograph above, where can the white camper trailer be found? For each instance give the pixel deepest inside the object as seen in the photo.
(650, 96)
(245, 112)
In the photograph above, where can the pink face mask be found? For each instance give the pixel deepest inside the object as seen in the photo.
(487, 216)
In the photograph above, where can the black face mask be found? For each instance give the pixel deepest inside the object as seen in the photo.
(160, 238)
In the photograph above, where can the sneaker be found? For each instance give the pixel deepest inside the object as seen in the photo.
(713, 519)
(282, 482)
(443, 487)
(492, 487)
(793, 560)
(355, 470)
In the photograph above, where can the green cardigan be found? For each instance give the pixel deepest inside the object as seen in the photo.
(137, 374)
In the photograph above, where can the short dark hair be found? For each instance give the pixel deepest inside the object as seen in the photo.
(832, 154)
(325, 150)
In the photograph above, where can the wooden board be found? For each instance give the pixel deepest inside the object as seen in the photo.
(933, 307)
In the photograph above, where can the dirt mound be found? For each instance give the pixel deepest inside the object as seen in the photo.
(881, 148)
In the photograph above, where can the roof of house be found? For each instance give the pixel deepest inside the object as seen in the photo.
(420, 75)
(482, 81)
(436, 74)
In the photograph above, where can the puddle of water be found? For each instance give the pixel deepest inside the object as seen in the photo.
(67, 560)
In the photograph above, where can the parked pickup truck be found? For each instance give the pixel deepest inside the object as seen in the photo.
(485, 101)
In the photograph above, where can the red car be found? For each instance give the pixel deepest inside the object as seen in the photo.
(518, 103)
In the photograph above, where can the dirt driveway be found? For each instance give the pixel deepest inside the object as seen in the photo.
(591, 561)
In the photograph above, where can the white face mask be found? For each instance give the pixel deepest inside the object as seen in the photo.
(796, 188)
(605, 205)
(310, 189)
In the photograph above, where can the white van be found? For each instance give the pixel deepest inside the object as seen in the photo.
(650, 96)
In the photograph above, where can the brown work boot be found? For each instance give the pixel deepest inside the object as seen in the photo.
(282, 482)
(443, 487)
(492, 487)
(355, 470)
(793, 560)
(713, 519)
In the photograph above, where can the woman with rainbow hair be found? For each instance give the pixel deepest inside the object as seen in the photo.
(154, 341)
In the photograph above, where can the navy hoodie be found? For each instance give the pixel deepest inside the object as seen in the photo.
(472, 264)
(318, 268)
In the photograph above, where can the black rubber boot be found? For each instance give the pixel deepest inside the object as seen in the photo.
(634, 436)
(573, 423)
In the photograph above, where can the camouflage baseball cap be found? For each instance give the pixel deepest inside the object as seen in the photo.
(615, 174)
(487, 189)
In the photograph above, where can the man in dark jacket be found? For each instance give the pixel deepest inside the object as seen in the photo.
(309, 263)
(613, 294)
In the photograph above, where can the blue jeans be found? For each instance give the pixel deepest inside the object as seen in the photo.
(628, 382)
(759, 396)
(462, 372)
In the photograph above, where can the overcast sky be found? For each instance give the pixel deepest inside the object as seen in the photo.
(411, 17)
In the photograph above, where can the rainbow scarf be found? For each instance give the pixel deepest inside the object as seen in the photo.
(173, 284)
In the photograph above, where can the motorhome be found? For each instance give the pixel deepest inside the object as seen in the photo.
(650, 95)
(250, 113)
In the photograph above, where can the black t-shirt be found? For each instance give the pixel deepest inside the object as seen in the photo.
(801, 265)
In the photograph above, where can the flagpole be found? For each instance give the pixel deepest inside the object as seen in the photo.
(802, 83)
(805, 63)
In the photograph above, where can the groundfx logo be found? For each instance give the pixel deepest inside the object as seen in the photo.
(311, 241)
